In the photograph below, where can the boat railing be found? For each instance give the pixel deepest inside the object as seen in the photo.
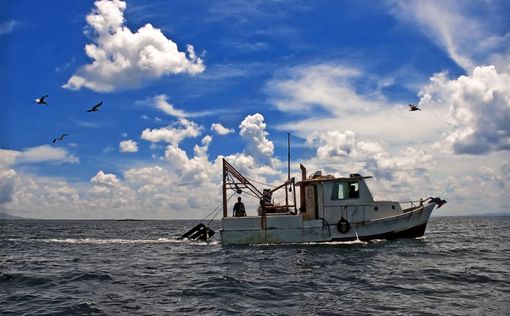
(437, 200)
(414, 203)
(422, 201)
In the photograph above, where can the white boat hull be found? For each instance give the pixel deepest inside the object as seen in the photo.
(285, 228)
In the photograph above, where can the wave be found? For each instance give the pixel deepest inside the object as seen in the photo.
(96, 241)
(24, 279)
(90, 276)
(314, 243)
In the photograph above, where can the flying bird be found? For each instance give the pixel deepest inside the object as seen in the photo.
(41, 100)
(60, 138)
(414, 107)
(96, 107)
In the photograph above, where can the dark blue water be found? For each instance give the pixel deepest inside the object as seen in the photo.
(461, 267)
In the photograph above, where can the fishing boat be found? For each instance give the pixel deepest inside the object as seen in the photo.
(332, 209)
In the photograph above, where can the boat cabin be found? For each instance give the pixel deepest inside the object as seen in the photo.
(321, 197)
(333, 198)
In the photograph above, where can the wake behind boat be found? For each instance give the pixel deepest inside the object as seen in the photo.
(331, 209)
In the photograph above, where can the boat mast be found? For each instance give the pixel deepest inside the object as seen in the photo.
(225, 211)
(288, 156)
(288, 170)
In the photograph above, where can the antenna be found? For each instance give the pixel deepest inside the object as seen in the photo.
(288, 156)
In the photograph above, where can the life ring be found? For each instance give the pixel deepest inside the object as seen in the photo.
(343, 226)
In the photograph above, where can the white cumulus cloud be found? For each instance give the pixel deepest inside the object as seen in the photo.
(162, 104)
(403, 175)
(147, 175)
(8, 157)
(7, 181)
(128, 146)
(253, 131)
(126, 59)
(332, 143)
(108, 193)
(107, 179)
(180, 130)
(220, 129)
(46, 153)
(479, 109)
(38, 154)
(196, 169)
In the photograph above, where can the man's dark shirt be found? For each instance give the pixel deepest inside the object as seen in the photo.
(239, 209)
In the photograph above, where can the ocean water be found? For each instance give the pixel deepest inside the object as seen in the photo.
(460, 267)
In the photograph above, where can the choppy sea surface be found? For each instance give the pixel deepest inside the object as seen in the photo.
(460, 267)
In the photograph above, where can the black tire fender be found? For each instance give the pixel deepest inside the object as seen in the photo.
(343, 225)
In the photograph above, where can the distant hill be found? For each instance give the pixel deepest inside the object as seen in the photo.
(7, 216)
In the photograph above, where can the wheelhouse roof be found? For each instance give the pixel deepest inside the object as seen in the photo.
(328, 179)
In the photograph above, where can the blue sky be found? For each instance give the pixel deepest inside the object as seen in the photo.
(185, 83)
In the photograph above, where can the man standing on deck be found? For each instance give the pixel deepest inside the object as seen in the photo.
(239, 210)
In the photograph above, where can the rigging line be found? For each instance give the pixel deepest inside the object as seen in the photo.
(251, 194)
(229, 178)
(232, 181)
(269, 185)
(217, 207)
(218, 210)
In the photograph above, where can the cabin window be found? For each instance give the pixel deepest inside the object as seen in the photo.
(338, 191)
(345, 190)
(353, 190)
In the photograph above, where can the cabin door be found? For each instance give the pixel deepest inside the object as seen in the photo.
(310, 202)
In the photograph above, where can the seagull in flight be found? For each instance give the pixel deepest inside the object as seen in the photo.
(41, 100)
(60, 138)
(96, 107)
(414, 107)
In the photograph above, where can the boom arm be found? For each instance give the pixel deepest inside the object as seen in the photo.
(234, 180)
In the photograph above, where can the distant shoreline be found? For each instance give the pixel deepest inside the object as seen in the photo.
(497, 214)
